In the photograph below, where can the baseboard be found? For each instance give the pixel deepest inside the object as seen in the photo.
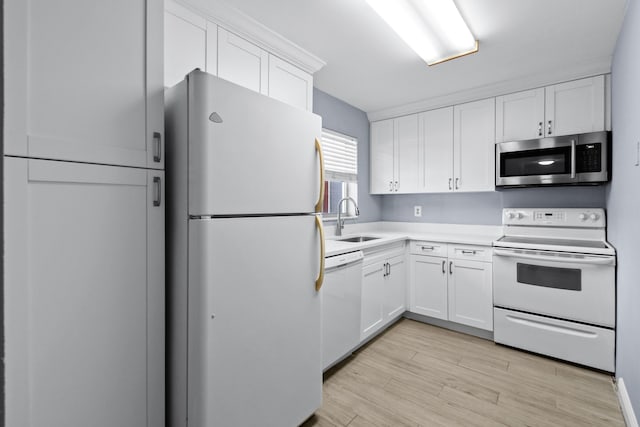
(480, 333)
(625, 404)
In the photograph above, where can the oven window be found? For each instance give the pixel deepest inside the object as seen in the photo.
(550, 277)
(548, 161)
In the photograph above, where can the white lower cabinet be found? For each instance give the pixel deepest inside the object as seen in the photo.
(383, 289)
(452, 282)
(84, 278)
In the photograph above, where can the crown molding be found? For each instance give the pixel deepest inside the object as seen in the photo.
(601, 66)
(248, 28)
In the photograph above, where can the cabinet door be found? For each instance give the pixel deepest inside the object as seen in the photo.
(575, 107)
(428, 284)
(436, 156)
(474, 146)
(290, 84)
(84, 292)
(471, 293)
(241, 62)
(83, 81)
(372, 294)
(520, 115)
(395, 285)
(406, 155)
(382, 156)
(185, 43)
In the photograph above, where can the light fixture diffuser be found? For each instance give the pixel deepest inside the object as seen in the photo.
(434, 29)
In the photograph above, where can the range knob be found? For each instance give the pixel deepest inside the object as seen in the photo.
(519, 215)
(510, 215)
(594, 217)
(582, 217)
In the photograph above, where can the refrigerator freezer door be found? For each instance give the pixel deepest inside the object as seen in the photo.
(249, 154)
(254, 321)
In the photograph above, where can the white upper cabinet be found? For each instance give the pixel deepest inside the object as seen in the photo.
(563, 109)
(436, 151)
(242, 62)
(394, 155)
(382, 156)
(290, 84)
(84, 82)
(194, 40)
(520, 115)
(473, 146)
(185, 43)
(575, 107)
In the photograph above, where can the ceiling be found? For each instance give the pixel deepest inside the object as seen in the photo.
(523, 43)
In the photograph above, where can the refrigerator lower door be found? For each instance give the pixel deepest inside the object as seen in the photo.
(254, 321)
(248, 153)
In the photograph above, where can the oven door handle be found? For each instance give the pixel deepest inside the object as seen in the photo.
(585, 260)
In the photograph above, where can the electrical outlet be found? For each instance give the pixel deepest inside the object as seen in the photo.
(417, 211)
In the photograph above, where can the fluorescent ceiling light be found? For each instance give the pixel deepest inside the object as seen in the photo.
(546, 162)
(434, 29)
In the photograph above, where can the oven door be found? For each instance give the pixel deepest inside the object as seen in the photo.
(563, 285)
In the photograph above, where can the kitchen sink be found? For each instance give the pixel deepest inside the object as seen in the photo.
(358, 239)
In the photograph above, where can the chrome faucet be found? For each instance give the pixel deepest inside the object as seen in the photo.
(340, 223)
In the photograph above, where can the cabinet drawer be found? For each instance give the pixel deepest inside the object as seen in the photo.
(421, 247)
(477, 253)
(382, 253)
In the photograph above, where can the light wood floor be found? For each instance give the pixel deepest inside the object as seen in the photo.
(421, 375)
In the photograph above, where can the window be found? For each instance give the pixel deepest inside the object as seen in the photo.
(341, 172)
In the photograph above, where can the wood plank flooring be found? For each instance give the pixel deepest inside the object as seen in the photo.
(421, 375)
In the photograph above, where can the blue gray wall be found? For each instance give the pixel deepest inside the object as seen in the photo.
(342, 117)
(623, 199)
(486, 208)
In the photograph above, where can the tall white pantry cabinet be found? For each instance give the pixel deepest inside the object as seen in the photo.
(83, 215)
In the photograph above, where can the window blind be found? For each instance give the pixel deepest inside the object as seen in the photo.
(340, 156)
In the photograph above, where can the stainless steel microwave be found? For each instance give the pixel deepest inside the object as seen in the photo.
(562, 160)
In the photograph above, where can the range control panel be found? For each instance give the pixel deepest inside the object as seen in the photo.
(554, 217)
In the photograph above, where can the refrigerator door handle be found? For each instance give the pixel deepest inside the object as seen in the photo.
(320, 203)
(320, 278)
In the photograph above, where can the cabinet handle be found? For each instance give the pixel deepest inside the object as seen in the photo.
(157, 147)
(384, 269)
(549, 127)
(450, 182)
(465, 252)
(539, 128)
(157, 191)
(427, 248)
(443, 264)
(390, 185)
(396, 186)
(450, 267)
(320, 278)
(388, 269)
(573, 158)
(320, 203)
(457, 183)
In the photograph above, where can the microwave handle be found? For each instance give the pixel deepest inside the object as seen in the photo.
(573, 158)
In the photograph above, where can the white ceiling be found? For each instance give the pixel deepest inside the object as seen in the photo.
(523, 43)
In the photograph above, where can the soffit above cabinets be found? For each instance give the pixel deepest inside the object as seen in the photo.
(523, 44)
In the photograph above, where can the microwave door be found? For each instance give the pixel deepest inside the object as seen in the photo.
(536, 162)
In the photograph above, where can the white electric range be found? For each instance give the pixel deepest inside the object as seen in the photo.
(554, 285)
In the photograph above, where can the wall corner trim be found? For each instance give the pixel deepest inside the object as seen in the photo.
(625, 403)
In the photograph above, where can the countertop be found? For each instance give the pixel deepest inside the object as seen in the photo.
(392, 232)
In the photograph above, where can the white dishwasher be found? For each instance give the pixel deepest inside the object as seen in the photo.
(341, 299)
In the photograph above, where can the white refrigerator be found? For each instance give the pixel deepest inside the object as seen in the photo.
(245, 257)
